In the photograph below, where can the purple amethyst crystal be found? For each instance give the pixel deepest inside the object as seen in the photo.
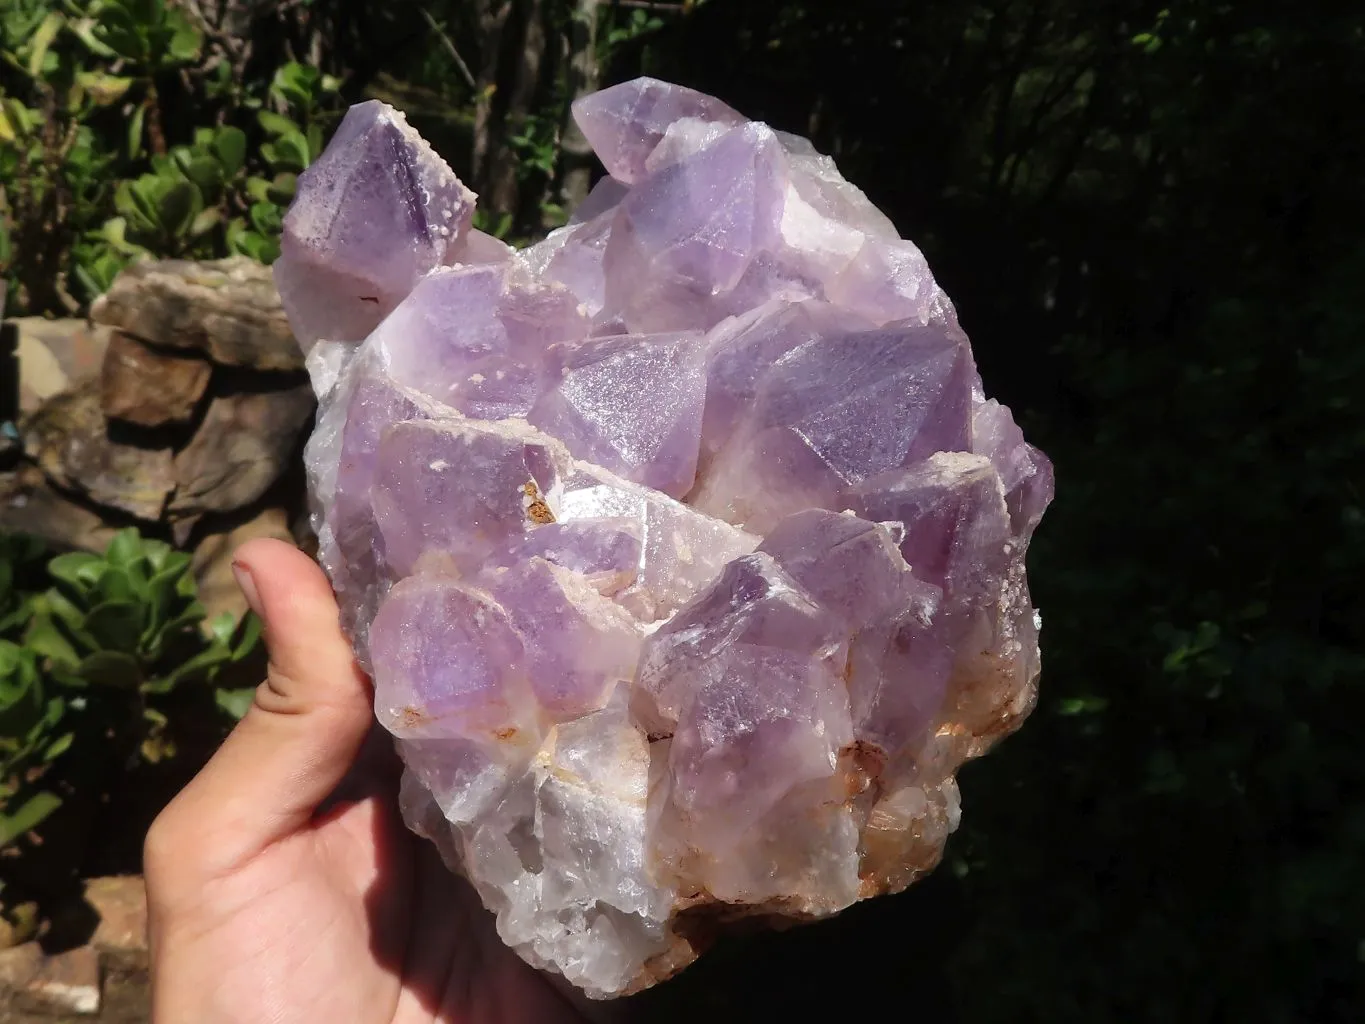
(684, 547)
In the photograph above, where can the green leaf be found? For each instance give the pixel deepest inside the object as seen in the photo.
(112, 669)
(235, 702)
(177, 207)
(117, 585)
(103, 89)
(1081, 705)
(46, 640)
(185, 42)
(186, 619)
(266, 218)
(206, 221)
(129, 203)
(316, 142)
(296, 84)
(288, 152)
(222, 626)
(10, 128)
(159, 554)
(248, 636)
(21, 692)
(115, 232)
(115, 625)
(204, 171)
(84, 31)
(80, 569)
(185, 585)
(119, 31)
(41, 40)
(125, 548)
(52, 716)
(58, 747)
(29, 816)
(257, 246)
(199, 667)
(282, 189)
(20, 611)
(230, 147)
(258, 189)
(164, 585)
(275, 124)
(135, 131)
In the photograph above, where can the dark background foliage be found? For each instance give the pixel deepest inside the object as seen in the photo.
(1149, 216)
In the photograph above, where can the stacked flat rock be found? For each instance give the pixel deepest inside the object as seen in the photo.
(684, 547)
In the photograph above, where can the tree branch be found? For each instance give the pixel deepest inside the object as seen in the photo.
(465, 73)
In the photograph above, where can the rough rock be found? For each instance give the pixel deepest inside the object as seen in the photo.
(228, 310)
(239, 449)
(70, 440)
(121, 903)
(150, 388)
(60, 983)
(684, 547)
(30, 504)
(54, 355)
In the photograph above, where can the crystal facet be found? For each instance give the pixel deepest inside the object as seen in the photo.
(684, 547)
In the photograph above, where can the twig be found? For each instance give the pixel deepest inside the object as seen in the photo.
(450, 46)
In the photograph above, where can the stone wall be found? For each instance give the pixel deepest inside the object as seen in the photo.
(180, 408)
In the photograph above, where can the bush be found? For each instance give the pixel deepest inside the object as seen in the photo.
(128, 129)
(88, 660)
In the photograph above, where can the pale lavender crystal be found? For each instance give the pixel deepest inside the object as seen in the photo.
(373, 214)
(447, 663)
(469, 339)
(577, 644)
(850, 567)
(684, 237)
(626, 122)
(753, 602)
(758, 741)
(903, 393)
(745, 348)
(956, 525)
(684, 546)
(452, 492)
(1025, 472)
(632, 404)
(605, 552)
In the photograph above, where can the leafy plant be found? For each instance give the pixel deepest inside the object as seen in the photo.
(130, 619)
(99, 164)
(113, 635)
(20, 566)
(30, 739)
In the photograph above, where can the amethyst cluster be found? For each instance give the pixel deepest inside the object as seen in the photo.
(684, 547)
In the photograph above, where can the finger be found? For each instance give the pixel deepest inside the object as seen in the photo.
(304, 728)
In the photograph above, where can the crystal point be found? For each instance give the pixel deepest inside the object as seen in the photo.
(373, 214)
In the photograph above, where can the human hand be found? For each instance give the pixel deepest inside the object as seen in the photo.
(276, 896)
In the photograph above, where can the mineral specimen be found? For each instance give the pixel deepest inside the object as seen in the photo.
(684, 547)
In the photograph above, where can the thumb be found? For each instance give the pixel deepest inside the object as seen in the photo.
(302, 732)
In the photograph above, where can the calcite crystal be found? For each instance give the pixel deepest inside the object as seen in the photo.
(684, 547)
